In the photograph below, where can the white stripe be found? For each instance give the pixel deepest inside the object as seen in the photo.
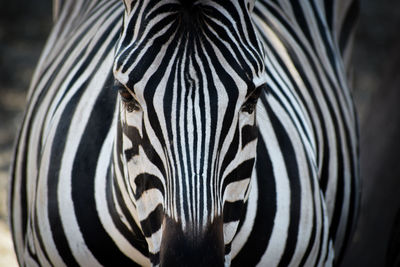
(279, 233)
(245, 231)
(77, 126)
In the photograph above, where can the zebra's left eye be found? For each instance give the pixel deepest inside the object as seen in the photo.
(129, 100)
(251, 102)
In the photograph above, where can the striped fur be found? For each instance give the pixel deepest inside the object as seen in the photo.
(178, 164)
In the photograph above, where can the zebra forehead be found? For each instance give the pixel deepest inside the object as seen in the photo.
(186, 3)
(195, 34)
(188, 10)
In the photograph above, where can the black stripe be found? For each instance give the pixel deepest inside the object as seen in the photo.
(146, 181)
(329, 10)
(59, 236)
(134, 136)
(244, 212)
(249, 133)
(232, 211)
(241, 172)
(155, 258)
(153, 222)
(232, 151)
(95, 236)
(289, 157)
(258, 240)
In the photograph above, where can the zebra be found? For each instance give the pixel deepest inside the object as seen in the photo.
(189, 133)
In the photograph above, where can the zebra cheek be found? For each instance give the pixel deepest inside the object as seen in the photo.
(233, 203)
(150, 211)
(249, 130)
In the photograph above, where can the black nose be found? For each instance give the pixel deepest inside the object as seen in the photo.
(192, 248)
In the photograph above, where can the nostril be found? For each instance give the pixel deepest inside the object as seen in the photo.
(189, 248)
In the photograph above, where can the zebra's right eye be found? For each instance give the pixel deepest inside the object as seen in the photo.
(125, 95)
(127, 98)
(251, 102)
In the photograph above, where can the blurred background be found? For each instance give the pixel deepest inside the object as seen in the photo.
(25, 24)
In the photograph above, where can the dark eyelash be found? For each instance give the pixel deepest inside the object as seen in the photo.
(251, 102)
(126, 96)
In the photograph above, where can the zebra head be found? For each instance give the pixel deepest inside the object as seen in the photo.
(189, 74)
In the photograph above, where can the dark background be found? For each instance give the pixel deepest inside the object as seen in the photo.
(25, 24)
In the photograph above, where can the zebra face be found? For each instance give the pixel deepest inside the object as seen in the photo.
(189, 74)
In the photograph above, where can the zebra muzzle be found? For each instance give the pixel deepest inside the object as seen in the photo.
(204, 247)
